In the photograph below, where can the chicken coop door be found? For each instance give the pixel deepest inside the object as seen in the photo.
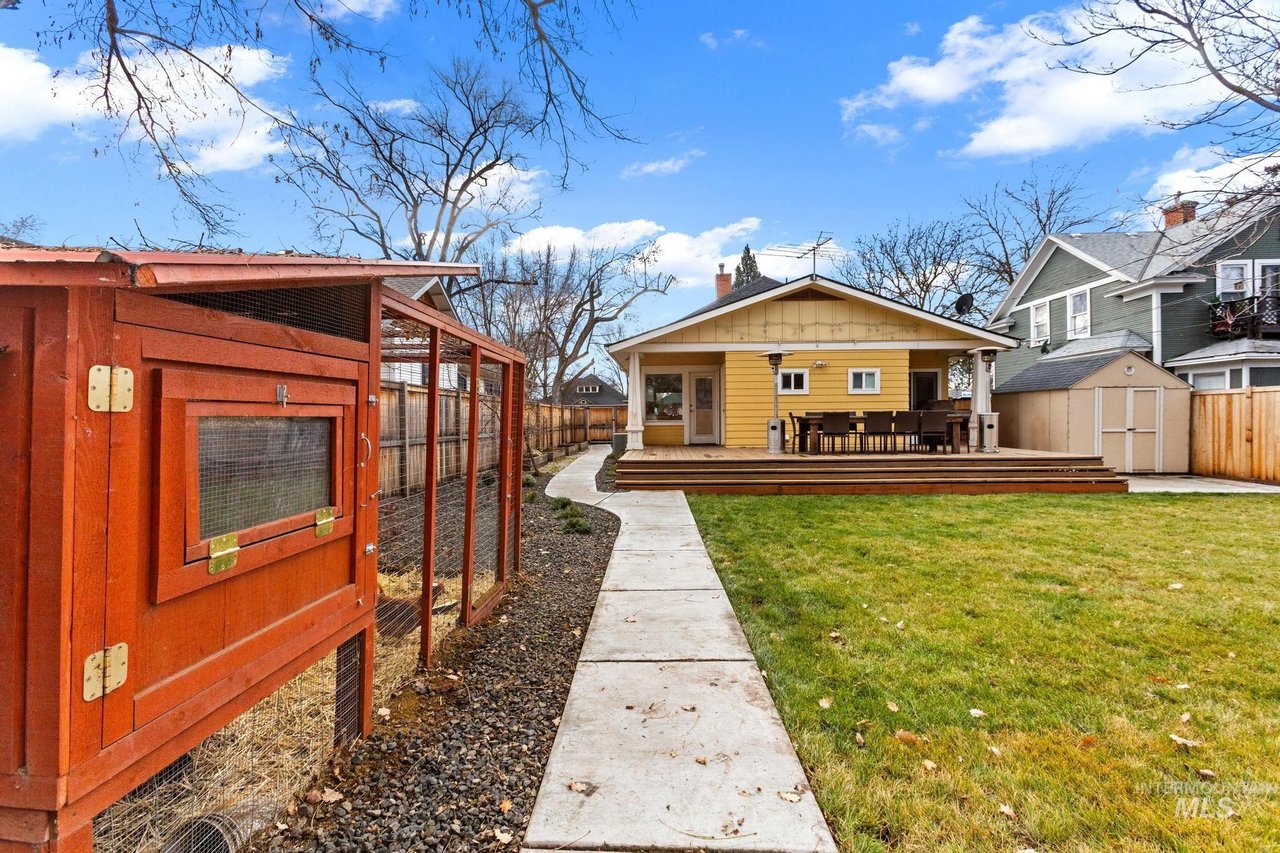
(233, 516)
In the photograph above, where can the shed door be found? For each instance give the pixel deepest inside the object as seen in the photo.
(1129, 421)
(223, 564)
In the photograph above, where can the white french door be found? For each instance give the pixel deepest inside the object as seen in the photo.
(704, 409)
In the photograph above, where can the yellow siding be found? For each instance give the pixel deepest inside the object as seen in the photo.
(676, 359)
(931, 359)
(810, 322)
(748, 389)
(665, 434)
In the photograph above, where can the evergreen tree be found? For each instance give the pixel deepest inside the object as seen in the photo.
(746, 270)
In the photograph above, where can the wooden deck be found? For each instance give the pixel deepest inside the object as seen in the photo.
(736, 470)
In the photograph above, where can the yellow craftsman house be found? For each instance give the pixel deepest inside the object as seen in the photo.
(701, 380)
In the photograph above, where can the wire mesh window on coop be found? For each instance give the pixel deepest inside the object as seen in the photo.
(449, 470)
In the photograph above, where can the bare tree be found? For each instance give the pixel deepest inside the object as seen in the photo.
(421, 180)
(1231, 42)
(156, 67)
(22, 228)
(924, 264)
(1007, 223)
(559, 307)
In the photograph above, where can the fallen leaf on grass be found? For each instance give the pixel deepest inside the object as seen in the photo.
(1088, 741)
(892, 706)
(900, 625)
(1204, 773)
(994, 750)
(929, 765)
(503, 837)
(825, 702)
(1183, 687)
(859, 740)
(907, 737)
(835, 635)
(1175, 586)
(1181, 741)
(1157, 679)
(1008, 811)
(505, 806)
(328, 795)
(977, 712)
(1185, 718)
(1231, 655)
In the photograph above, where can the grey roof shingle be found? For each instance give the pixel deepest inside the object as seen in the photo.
(755, 287)
(1055, 374)
(1227, 349)
(1125, 339)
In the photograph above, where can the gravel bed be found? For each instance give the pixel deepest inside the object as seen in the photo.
(457, 763)
(607, 475)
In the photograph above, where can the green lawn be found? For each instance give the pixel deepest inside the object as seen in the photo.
(1052, 615)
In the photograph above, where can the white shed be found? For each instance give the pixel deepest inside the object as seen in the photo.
(1117, 405)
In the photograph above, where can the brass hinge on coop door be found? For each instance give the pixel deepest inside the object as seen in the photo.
(110, 388)
(105, 670)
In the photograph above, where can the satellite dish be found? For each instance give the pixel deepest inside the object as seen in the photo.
(964, 304)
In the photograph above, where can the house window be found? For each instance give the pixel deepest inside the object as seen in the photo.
(1077, 315)
(864, 380)
(664, 397)
(1039, 323)
(588, 389)
(1234, 279)
(793, 381)
(1216, 381)
(1237, 377)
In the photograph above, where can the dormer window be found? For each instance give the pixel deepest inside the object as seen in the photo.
(1235, 280)
(588, 389)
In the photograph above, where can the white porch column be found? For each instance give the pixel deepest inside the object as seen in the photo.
(635, 404)
(980, 400)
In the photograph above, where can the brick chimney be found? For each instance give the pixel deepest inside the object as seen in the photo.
(1179, 212)
(724, 282)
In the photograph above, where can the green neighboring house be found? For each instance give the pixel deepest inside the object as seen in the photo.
(1199, 297)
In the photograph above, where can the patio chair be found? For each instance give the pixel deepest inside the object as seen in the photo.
(877, 426)
(796, 427)
(933, 430)
(907, 425)
(835, 425)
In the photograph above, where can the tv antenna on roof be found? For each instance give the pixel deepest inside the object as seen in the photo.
(814, 250)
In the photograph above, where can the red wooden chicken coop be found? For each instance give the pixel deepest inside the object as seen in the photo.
(189, 502)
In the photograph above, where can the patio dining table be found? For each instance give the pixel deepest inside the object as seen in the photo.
(811, 424)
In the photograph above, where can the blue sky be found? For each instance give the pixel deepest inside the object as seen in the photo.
(756, 121)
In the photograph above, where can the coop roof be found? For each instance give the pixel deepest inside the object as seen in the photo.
(109, 268)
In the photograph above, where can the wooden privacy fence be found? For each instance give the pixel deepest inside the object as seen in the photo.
(1236, 434)
(548, 425)
(404, 424)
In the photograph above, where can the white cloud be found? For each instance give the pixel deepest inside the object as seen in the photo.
(710, 40)
(1037, 105)
(669, 166)
(1208, 173)
(221, 133)
(912, 28)
(395, 105)
(691, 258)
(375, 9)
(880, 134)
(737, 35)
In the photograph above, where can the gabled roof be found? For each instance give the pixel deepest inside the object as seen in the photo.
(755, 287)
(1137, 256)
(764, 289)
(1055, 374)
(608, 395)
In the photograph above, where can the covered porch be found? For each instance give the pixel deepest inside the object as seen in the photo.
(752, 470)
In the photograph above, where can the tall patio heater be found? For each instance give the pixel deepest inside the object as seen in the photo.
(777, 427)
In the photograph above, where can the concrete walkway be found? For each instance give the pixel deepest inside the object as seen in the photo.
(1191, 484)
(669, 739)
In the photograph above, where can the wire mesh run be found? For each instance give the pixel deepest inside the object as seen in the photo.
(450, 504)
(236, 782)
(487, 561)
(342, 311)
